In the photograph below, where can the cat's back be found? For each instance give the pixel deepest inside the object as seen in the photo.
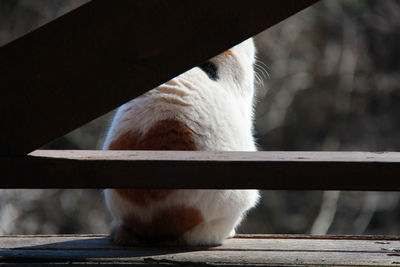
(206, 108)
(212, 118)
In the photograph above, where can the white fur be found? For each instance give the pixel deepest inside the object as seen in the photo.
(220, 115)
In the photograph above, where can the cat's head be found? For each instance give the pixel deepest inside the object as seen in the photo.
(233, 68)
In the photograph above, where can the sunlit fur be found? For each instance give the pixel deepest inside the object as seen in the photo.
(219, 115)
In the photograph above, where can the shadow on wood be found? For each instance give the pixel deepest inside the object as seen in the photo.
(242, 250)
(79, 248)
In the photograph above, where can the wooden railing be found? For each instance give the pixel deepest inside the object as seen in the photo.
(103, 54)
(203, 169)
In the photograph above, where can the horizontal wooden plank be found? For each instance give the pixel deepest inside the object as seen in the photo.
(367, 243)
(242, 250)
(99, 56)
(203, 170)
(262, 156)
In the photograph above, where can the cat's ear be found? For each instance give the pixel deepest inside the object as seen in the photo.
(210, 69)
(235, 67)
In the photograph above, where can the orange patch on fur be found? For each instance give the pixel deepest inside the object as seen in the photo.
(164, 135)
(168, 226)
(227, 53)
(143, 197)
(126, 141)
(168, 135)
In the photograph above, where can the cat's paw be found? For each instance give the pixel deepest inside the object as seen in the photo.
(121, 236)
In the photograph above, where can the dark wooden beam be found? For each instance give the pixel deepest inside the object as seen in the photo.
(207, 170)
(103, 54)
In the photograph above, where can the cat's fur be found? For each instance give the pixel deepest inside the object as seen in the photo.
(205, 108)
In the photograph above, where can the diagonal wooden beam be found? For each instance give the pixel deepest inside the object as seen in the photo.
(103, 54)
(202, 169)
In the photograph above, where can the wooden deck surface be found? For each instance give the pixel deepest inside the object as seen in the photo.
(256, 250)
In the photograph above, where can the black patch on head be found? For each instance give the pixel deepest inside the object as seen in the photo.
(210, 69)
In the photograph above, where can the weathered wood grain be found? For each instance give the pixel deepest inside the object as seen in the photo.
(246, 250)
(201, 169)
(101, 55)
(333, 243)
(237, 156)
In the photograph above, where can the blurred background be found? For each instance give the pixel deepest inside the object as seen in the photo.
(328, 80)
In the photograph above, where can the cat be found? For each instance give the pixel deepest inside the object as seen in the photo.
(209, 107)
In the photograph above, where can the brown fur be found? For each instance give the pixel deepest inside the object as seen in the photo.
(166, 228)
(164, 135)
(169, 224)
(127, 141)
(143, 197)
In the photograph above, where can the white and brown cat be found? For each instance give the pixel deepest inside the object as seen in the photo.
(209, 107)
